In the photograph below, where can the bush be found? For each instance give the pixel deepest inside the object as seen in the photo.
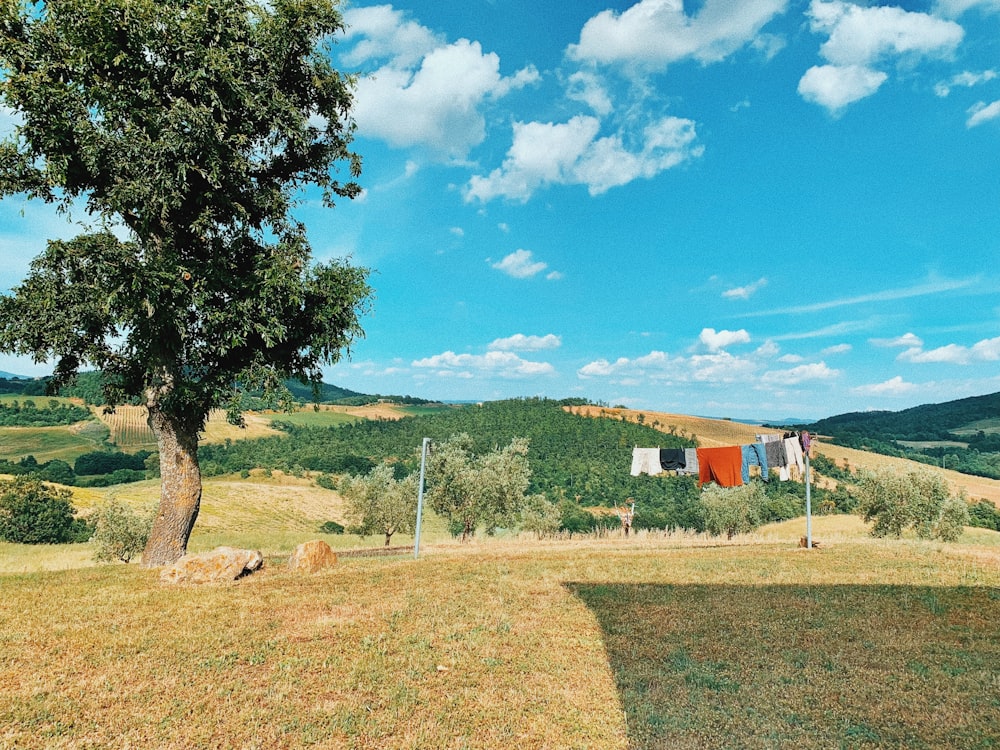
(733, 510)
(332, 527)
(984, 515)
(918, 500)
(121, 532)
(32, 512)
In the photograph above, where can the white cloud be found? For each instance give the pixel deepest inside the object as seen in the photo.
(965, 79)
(571, 153)
(744, 292)
(521, 343)
(859, 38)
(836, 86)
(982, 112)
(800, 374)
(837, 349)
(495, 363)
(791, 359)
(987, 350)
(659, 367)
(892, 387)
(425, 92)
(586, 87)
(715, 341)
(908, 340)
(768, 349)
(655, 33)
(520, 264)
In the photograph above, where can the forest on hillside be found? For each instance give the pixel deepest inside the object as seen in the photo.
(963, 435)
(573, 458)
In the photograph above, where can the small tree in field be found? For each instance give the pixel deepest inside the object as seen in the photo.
(540, 516)
(472, 489)
(920, 500)
(191, 127)
(121, 532)
(378, 503)
(732, 510)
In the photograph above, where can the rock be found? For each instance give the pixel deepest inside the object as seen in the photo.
(221, 564)
(311, 557)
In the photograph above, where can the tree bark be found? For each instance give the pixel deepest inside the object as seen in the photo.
(180, 489)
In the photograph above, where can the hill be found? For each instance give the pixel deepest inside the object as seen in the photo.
(920, 423)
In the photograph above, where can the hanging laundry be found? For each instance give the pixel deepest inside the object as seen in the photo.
(690, 462)
(805, 440)
(720, 465)
(794, 452)
(777, 458)
(768, 437)
(672, 458)
(646, 461)
(754, 454)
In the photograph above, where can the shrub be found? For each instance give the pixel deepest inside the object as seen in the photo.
(540, 516)
(733, 510)
(954, 516)
(918, 500)
(32, 512)
(984, 515)
(332, 527)
(121, 532)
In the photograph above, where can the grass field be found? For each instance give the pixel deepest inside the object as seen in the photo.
(656, 641)
(48, 443)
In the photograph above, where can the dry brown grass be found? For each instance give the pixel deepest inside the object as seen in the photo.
(652, 642)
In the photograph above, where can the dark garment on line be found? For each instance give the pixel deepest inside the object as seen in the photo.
(672, 458)
(775, 452)
(720, 465)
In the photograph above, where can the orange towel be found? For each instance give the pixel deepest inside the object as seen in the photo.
(720, 465)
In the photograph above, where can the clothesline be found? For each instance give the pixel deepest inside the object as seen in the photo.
(728, 466)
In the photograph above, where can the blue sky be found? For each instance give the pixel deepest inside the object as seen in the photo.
(738, 208)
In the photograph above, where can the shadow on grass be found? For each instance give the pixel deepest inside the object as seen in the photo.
(802, 666)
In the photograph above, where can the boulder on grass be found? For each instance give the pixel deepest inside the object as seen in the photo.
(221, 564)
(311, 557)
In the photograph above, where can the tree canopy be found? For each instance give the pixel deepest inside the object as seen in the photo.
(187, 130)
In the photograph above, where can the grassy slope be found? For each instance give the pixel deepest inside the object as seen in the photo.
(650, 642)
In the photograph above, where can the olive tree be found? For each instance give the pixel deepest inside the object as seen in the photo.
(895, 501)
(378, 503)
(732, 510)
(473, 489)
(187, 130)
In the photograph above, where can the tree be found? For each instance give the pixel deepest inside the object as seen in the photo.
(32, 512)
(191, 127)
(378, 503)
(120, 532)
(918, 499)
(472, 489)
(733, 510)
(540, 516)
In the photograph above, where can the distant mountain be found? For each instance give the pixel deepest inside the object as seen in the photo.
(12, 376)
(926, 422)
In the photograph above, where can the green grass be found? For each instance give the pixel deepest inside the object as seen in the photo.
(657, 641)
(986, 425)
(47, 443)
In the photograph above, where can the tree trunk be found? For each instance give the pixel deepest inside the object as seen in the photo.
(180, 489)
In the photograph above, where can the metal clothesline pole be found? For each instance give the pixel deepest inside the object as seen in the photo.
(809, 533)
(420, 498)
